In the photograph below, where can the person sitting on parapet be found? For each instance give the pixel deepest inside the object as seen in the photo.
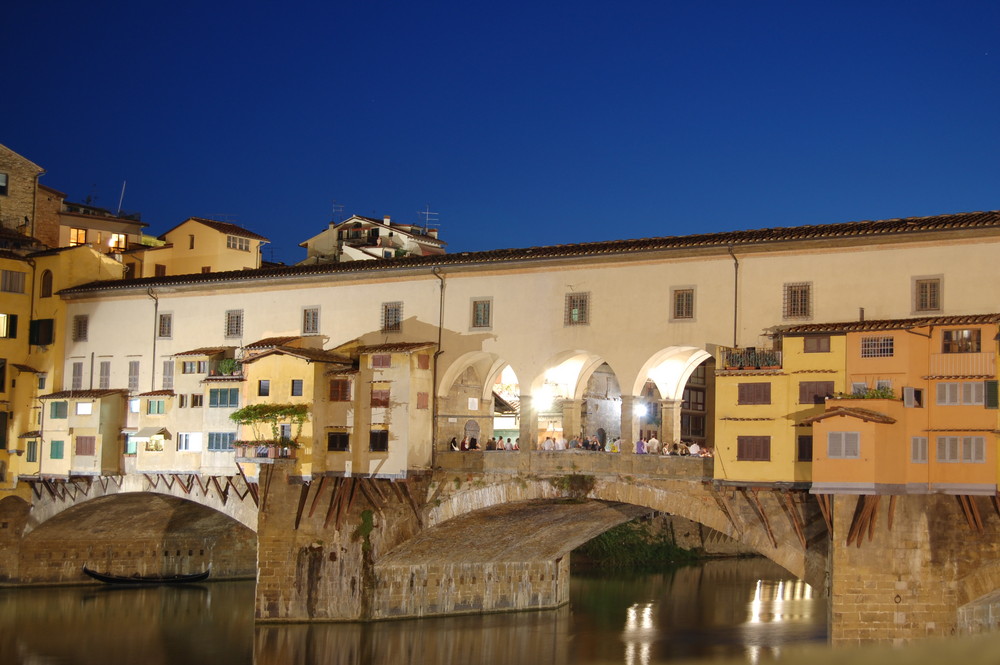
(653, 445)
(694, 449)
(454, 443)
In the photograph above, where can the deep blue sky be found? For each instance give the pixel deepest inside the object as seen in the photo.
(520, 123)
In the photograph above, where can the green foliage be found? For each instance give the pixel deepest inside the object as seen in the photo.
(870, 393)
(632, 545)
(364, 530)
(228, 366)
(576, 485)
(272, 415)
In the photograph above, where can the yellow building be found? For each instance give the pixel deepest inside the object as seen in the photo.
(197, 245)
(80, 433)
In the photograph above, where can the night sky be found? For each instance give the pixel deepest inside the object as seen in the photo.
(519, 123)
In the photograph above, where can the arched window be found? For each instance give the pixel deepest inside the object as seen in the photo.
(46, 286)
(472, 430)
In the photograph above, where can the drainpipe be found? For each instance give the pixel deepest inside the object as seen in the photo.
(156, 310)
(736, 293)
(436, 271)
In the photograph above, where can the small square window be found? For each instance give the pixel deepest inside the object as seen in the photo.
(927, 294)
(482, 313)
(80, 327)
(84, 408)
(310, 321)
(264, 388)
(683, 304)
(797, 301)
(577, 312)
(296, 390)
(338, 441)
(392, 317)
(234, 323)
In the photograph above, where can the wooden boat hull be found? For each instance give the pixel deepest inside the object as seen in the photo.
(137, 580)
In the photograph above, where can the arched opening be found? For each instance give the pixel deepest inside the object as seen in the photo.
(45, 287)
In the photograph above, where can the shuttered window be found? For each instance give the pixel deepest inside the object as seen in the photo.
(843, 445)
(86, 445)
(755, 393)
(753, 448)
(815, 392)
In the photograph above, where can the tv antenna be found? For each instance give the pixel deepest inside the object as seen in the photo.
(430, 218)
(335, 211)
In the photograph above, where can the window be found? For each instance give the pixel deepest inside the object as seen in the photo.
(310, 320)
(190, 241)
(32, 451)
(338, 442)
(692, 425)
(815, 392)
(961, 449)
(84, 408)
(423, 400)
(182, 401)
(155, 406)
(286, 432)
(392, 317)
(577, 312)
(876, 346)
(133, 375)
(104, 375)
(423, 361)
(81, 323)
(753, 448)
(694, 399)
(804, 448)
(86, 445)
(189, 367)
(133, 406)
(927, 294)
(41, 332)
(234, 323)
(843, 445)
(165, 329)
(57, 410)
(236, 242)
(382, 360)
(380, 398)
(296, 390)
(754, 393)
(56, 450)
(962, 340)
(968, 393)
(45, 290)
(482, 313)
(918, 450)
(41, 380)
(77, 237)
(117, 242)
(3, 375)
(168, 375)
(197, 401)
(264, 388)
(859, 388)
(340, 390)
(913, 397)
(683, 304)
(12, 281)
(189, 442)
(378, 441)
(4, 187)
(77, 380)
(8, 326)
(798, 301)
(991, 397)
(883, 384)
(221, 441)
(224, 398)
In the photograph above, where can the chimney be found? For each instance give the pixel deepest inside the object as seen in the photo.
(386, 220)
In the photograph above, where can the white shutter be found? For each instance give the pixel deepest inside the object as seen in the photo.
(908, 397)
(834, 444)
(852, 444)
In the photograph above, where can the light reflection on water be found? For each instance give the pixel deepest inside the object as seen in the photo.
(748, 609)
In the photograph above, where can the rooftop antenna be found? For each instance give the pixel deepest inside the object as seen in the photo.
(430, 218)
(121, 199)
(335, 211)
(226, 217)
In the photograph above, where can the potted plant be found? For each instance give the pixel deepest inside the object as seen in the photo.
(228, 366)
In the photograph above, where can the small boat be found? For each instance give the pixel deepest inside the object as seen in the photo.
(136, 579)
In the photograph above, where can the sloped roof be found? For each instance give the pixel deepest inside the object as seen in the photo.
(269, 342)
(206, 351)
(720, 242)
(397, 347)
(891, 324)
(222, 227)
(309, 355)
(84, 394)
(853, 412)
(157, 393)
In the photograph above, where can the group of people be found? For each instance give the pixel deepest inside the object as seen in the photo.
(493, 443)
(643, 446)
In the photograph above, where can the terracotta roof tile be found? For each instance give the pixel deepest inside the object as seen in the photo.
(854, 412)
(157, 393)
(222, 227)
(206, 351)
(269, 342)
(84, 394)
(891, 324)
(397, 347)
(312, 355)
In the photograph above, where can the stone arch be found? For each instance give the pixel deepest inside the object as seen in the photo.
(669, 369)
(692, 500)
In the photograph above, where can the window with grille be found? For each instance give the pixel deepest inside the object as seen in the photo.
(86, 445)
(577, 311)
(380, 398)
(683, 304)
(843, 445)
(877, 346)
(310, 321)
(753, 448)
(166, 328)
(12, 281)
(296, 388)
(133, 375)
(378, 441)
(962, 340)
(81, 323)
(804, 448)
(754, 393)
(338, 442)
(927, 295)
(234, 323)
(392, 316)
(918, 449)
(815, 392)
(798, 300)
(104, 375)
(482, 313)
(340, 390)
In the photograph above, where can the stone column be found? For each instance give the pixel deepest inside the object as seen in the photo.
(670, 420)
(528, 424)
(630, 423)
(571, 422)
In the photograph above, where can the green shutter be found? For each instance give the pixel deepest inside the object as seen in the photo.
(992, 399)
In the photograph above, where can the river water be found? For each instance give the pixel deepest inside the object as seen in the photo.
(747, 609)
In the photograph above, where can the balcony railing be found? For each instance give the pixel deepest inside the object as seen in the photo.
(748, 358)
(963, 364)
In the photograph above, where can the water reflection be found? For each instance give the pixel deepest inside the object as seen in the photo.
(748, 609)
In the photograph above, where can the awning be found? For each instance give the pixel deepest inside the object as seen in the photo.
(25, 368)
(34, 434)
(149, 432)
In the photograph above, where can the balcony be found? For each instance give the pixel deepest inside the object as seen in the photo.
(963, 364)
(747, 358)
